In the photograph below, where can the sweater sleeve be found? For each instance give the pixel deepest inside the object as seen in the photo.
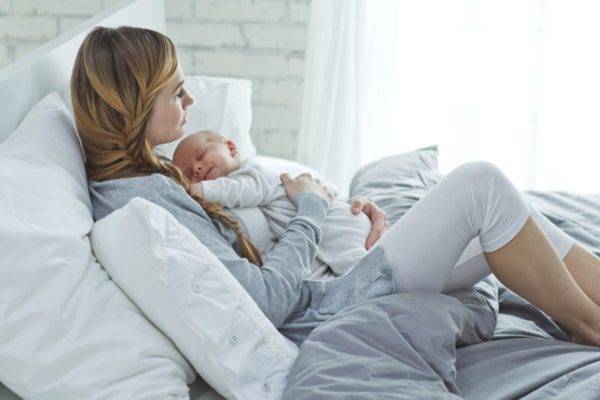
(247, 187)
(276, 286)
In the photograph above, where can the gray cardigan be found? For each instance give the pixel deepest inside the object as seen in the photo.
(293, 303)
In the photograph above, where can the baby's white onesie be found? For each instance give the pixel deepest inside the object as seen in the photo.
(344, 234)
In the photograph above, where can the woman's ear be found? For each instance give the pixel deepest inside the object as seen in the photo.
(233, 150)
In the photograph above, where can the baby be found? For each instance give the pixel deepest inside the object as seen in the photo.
(213, 166)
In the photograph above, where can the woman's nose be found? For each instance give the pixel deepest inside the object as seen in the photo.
(189, 100)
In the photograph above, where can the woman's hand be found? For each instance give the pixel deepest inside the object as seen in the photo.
(379, 221)
(305, 183)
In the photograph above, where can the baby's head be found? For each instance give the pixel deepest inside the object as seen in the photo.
(206, 155)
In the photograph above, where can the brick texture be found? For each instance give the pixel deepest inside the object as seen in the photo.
(58, 7)
(262, 40)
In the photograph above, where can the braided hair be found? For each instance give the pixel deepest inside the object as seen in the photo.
(116, 78)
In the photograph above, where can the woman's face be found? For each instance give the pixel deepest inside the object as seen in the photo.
(169, 112)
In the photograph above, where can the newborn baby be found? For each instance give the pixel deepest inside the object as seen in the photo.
(213, 166)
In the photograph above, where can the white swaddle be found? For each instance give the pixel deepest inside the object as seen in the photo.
(344, 234)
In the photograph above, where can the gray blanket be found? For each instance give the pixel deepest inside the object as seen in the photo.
(401, 346)
(487, 343)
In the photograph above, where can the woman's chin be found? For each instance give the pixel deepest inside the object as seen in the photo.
(179, 134)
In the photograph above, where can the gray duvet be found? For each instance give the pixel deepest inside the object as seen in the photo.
(487, 343)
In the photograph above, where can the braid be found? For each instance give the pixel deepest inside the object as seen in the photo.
(214, 210)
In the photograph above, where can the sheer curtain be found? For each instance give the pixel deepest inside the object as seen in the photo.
(515, 82)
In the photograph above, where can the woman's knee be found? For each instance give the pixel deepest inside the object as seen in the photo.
(480, 172)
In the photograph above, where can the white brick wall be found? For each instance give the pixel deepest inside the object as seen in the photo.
(25, 28)
(263, 40)
(60, 8)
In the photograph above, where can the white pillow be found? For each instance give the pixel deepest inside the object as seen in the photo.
(222, 105)
(191, 296)
(66, 330)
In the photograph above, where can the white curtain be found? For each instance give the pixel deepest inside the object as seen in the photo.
(515, 82)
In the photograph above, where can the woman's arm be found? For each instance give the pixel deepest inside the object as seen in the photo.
(276, 286)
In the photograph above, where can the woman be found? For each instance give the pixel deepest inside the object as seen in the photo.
(128, 97)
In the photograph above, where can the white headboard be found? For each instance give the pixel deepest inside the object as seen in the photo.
(48, 68)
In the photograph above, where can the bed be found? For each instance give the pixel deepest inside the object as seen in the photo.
(512, 351)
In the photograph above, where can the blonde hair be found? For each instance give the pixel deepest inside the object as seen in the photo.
(116, 78)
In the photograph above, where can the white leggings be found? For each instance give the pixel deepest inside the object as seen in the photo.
(437, 246)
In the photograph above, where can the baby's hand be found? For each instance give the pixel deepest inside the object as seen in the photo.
(196, 189)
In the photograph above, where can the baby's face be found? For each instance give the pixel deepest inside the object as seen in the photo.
(204, 156)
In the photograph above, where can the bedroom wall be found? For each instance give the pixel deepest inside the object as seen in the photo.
(263, 40)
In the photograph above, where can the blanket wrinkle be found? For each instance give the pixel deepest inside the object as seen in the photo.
(400, 346)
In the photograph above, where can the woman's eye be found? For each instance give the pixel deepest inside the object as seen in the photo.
(180, 93)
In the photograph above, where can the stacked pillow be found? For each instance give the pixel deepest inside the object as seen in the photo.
(66, 330)
(191, 296)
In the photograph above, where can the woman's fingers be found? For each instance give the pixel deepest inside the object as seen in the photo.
(378, 229)
(357, 206)
(378, 218)
(285, 177)
(304, 175)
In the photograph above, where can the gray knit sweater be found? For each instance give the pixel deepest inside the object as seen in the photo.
(293, 303)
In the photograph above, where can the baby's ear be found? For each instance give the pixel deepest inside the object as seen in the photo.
(232, 148)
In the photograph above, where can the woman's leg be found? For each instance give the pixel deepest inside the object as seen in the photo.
(584, 266)
(530, 266)
(477, 199)
(473, 267)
